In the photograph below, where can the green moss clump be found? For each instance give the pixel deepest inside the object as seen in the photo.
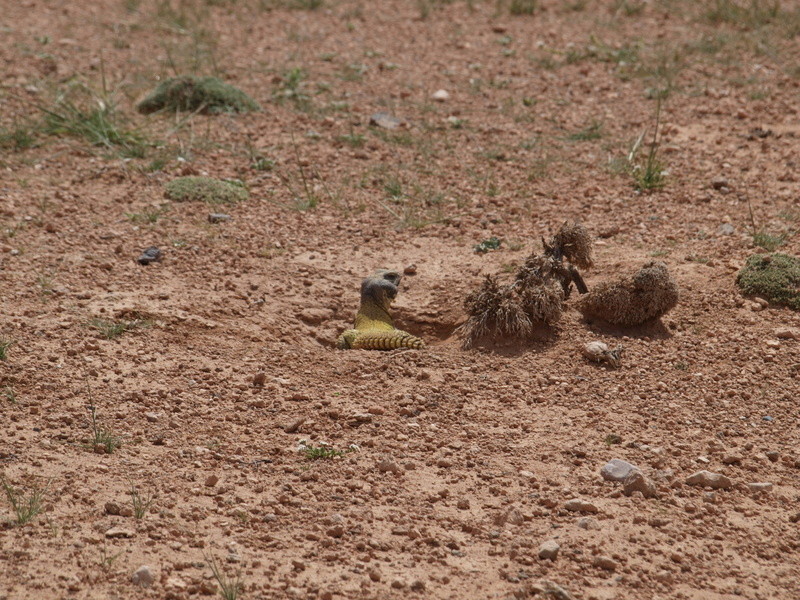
(205, 189)
(774, 277)
(208, 95)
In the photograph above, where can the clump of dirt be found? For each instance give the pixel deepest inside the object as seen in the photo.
(207, 95)
(205, 189)
(648, 294)
(537, 294)
(775, 277)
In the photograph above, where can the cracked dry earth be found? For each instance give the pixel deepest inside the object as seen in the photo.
(456, 466)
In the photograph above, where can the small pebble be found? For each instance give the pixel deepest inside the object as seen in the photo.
(143, 577)
(549, 550)
(149, 255)
(410, 269)
(637, 482)
(709, 479)
(760, 487)
(617, 470)
(578, 505)
(211, 481)
(218, 218)
(440, 95)
(605, 562)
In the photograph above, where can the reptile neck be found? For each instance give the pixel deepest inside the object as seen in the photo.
(372, 316)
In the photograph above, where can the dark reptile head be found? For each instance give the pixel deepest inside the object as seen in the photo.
(381, 287)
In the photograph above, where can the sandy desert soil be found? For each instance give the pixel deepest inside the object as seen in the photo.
(455, 466)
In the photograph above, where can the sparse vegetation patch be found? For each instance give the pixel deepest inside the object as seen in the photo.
(774, 277)
(206, 95)
(205, 189)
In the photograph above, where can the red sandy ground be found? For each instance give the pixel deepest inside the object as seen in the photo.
(464, 459)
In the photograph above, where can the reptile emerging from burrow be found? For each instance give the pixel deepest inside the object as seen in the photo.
(374, 327)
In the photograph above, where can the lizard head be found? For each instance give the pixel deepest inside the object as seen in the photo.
(381, 287)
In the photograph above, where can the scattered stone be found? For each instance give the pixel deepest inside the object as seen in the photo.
(726, 229)
(760, 487)
(119, 532)
(112, 508)
(773, 456)
(588, 523)
(143, 577)
(637, 482)
(211, 481)
(386, 121)
(719, 182)
(151, 417)
(787, 333)
(463, 504)
(298, 565)
(149, 255)
(605, 562)
(418, 585)
(547, 589)
(731, 459)
(578, 505)
(218, 218)
(716, 481)
(549, 550)
(336, 531)
(440, 95)
(388, 466)
(294, 425)
(617, 470)
(315, 316)
(410, 269)
(259, 379)
(599, 352)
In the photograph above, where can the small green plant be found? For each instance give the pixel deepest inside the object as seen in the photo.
(25, 506)
(148, 216)
(752, 14)
(205, 189)
(20, 136)
(230, 587)
(5, 344)
(10, 395)
(762, 238)
(356, 140)
(612, 439)
(205, 95)
(292, 88)
(593, 131)
(485, 246)
(103, 440)
(141, 502)
(648, 175)
(681, 366)
(321, 451)
(107, 560)
(113, 329)
(522, 7)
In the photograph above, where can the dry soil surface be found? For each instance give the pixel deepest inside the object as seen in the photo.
(453, 466)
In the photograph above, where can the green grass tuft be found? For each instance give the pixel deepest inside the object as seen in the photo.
(113, 329)
(206, 95)
(230, 587)
(25, 506)
(5, 344)
(95, 119)
(103, 440)
(205, 189)
(774, 277)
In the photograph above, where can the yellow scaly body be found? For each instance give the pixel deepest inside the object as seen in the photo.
(374, 328)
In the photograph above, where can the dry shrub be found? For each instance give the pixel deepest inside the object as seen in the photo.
(536, 295)
(635, 299)
(574, 243)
